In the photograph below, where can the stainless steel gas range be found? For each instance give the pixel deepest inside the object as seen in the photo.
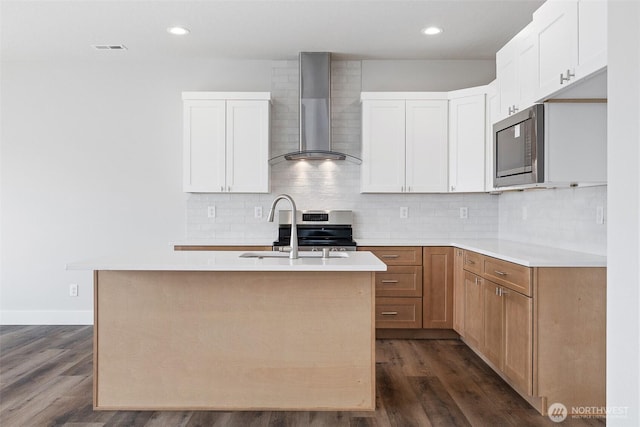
(317, 230)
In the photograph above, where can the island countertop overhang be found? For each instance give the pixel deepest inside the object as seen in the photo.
(227, 261)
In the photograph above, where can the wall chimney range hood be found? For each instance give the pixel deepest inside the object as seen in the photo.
(315, 111)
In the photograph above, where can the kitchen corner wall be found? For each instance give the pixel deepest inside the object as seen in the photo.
(335, 184)
(563, 218)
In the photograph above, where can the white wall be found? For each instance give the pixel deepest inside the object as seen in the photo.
(424, 75)
(91, 166)
(623, 273)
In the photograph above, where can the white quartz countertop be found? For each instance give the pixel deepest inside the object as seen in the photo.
(525, 254)
(169, 260)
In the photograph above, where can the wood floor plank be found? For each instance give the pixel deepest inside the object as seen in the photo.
(46, 378)
(477, 407)
(438, 404)
(400, 402)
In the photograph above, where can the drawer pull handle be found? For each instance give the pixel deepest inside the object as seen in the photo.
(500, 273)
(390, 281)
(390, 256)
(389, 313)
(470, 262)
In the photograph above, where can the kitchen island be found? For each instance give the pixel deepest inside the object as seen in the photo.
(214, 330)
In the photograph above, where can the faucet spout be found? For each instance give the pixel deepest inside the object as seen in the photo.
(294, 228)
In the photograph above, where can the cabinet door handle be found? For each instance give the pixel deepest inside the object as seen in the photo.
(389, 313)
(500, 273)
(390, 281)
(402, 189)
(222, 189)
(567, 78)
(390, 256)
(409, 189)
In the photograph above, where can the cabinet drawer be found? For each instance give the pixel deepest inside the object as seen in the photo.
(399, 281)
(398, 255)
(513, 276)
(398, 313)
(473, 262)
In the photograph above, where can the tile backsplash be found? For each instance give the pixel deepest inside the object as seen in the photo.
(562, 218)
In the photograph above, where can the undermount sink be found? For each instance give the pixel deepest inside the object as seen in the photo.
(309, 254)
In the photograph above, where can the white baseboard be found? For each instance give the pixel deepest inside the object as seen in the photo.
(46, 317)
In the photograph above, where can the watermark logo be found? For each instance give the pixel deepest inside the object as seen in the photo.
(557, 412)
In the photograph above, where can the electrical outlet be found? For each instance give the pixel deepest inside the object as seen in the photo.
(404, 212)
(464, 212)
(73, 290)
(211, 211)
(600, 215)
(257, 212)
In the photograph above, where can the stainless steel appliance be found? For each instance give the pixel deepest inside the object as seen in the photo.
(317, 230)
(315, 111)
(518, 143)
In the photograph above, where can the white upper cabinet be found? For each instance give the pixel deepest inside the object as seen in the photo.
(226, 142)
(592, 37)
(404, 144)
(426, 146)
(247, 146)
(516, 71)
(492, 109)
(467, 144)
(572, 38)
(383, 146)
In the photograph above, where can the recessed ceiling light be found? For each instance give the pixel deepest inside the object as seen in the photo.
(431, 31)
(178, 31)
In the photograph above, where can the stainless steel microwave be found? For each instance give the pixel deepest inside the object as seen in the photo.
(518, 147)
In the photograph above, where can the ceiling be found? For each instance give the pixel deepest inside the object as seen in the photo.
(266, 29)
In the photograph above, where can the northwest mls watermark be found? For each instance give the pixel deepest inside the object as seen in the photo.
(558, 412)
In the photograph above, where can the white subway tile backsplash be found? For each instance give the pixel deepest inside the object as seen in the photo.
(563, 218)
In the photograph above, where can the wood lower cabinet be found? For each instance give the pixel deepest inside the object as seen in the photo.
(400, 281)
(416, 291)
(404, 313)
(437, 298)
(517, 363)
(458, 291)
(543, 330)
(399, 290)
(473, 310)
(493, 347)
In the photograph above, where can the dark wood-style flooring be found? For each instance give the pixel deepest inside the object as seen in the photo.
(46, 380)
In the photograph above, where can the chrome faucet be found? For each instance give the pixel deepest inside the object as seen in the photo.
(294, 228)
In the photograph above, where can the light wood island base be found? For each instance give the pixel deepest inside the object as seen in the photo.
(216, 340)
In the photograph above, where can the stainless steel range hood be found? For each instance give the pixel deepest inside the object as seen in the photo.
(315, 111)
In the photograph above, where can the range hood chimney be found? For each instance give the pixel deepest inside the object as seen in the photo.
(315, 110)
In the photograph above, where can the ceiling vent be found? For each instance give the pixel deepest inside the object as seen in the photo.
(109, 47)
